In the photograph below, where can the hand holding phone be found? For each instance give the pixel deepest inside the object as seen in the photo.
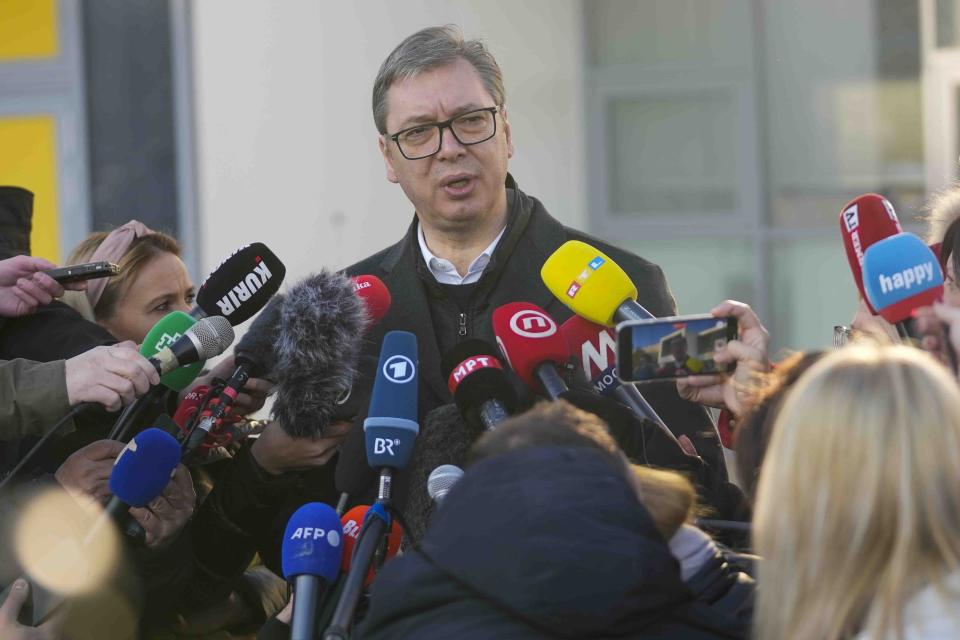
(747, 355)
(85, 271)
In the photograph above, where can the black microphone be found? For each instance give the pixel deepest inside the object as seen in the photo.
(317, 345)
(255, 357)
(241, 285)
(479, 384)
(445, 438)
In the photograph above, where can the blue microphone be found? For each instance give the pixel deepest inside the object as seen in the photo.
(142, 470)
(311, 557)
(900, 274)
(391, 427)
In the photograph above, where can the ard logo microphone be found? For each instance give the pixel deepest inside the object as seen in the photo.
(391, 426)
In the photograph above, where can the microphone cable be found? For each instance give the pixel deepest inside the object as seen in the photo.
(40, 443)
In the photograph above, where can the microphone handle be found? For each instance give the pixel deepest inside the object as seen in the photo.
(134, 412)
(630, 309)
(492, 413)
(553, 384)
(631, 396)
(363, 553)
(306, 591)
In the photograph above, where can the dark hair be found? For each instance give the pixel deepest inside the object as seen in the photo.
(755, 428)
(948, 247)
(557, 424)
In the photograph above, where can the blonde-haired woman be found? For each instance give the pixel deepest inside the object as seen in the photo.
(858, 505)
(153, 280)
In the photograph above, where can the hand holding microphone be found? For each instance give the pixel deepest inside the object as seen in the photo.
(112, 376)
(750, 353)
(276, 451)
(167, 514)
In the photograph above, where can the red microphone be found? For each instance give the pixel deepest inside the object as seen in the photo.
(864, 221)
(352, 522)
(533, 346)
(189, 406)
(374, 294)
(597, 348)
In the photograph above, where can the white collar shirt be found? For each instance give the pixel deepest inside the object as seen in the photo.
(443, 270)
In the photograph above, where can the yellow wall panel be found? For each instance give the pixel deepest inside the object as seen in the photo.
(28, 29)
(28, 159)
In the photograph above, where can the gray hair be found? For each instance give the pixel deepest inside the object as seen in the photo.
(428, 49)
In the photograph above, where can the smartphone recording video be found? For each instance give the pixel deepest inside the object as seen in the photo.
(671, 348)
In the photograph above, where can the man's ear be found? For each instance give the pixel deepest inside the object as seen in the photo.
(506, 131)
(387, 162)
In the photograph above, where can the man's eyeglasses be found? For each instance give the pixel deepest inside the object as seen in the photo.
(425, 140)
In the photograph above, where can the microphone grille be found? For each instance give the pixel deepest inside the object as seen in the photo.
(442, 479)
(215, 334)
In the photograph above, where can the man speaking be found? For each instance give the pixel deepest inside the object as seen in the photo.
(476, 241)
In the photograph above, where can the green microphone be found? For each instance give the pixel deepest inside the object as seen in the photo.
(165, 333)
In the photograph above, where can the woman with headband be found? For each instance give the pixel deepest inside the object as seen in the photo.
(153, 280)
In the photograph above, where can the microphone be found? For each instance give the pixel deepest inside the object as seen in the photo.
(254, 356)
(532, 344)
(864, 221)
(390, 431)
(209, 337)
(164, 334)
(142, 470)
(352, 522)
(591, 284)
(242, 284)
(441, 480)
(317, 344)
(597, 347)
(391, 427)
(479, 383)
(167, 333)
(311, 555)
(900, 274)
(375, 295)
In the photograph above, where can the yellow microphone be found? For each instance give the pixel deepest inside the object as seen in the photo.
(591, 284)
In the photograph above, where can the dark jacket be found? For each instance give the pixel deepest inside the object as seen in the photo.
(545, 542)
(512, 275)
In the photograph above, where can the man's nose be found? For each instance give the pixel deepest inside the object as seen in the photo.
(450, 147)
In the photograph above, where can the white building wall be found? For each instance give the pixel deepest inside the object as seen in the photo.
(287, 151)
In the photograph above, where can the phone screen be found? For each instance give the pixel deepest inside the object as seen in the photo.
(670, 348)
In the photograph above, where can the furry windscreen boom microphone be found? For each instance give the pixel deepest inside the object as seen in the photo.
(317, 345)
(242, 284)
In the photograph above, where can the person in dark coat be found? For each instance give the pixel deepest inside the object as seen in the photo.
(542, 541)
(476, 241)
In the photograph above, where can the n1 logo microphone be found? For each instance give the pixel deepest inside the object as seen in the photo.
(311, 555)
(864, 221)
(591, 284)
(901, 274)
(531, 342)
(164, 335)
(242, 284)
(391, 426)
(375, 296)
(597, 346)
(479, 383)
